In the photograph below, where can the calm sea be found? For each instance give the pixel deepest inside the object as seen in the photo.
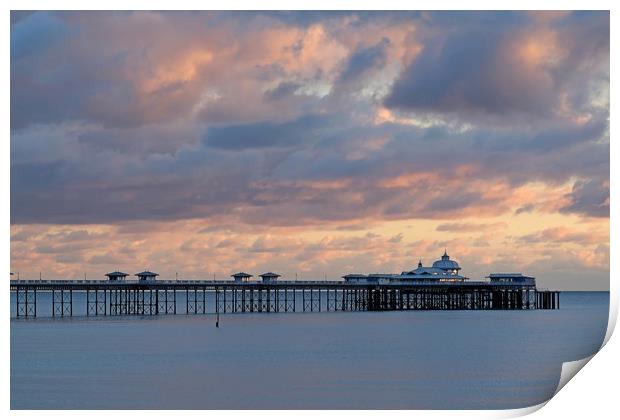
(363, 360)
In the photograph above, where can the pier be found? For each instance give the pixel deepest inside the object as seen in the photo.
(105, 298)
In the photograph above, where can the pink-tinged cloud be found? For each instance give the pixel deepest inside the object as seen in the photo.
(311, 132)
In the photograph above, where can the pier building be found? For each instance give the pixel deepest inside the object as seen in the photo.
(146, 277)
(516, 278)
(442, 270)
(241, 277)
(116, 276)
(269, 277)
(446, 264)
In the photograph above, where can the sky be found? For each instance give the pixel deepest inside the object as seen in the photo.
(310, 143)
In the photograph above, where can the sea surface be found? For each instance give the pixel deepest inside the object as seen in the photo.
(326, 360)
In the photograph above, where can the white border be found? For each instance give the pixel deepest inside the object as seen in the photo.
(593, 395)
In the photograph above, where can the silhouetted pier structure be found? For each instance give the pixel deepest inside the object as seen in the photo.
(105, 298)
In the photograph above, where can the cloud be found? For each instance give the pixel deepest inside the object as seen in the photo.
(230, 126)
(565, 235)
(140, 141)
(528, 208)
(589, 197)
(267, 134)
(169, 247)
(470, 227)
(505, 67)
(318, 167)
(33, 33)
(283, 90)
(364, 59)
(135, 68)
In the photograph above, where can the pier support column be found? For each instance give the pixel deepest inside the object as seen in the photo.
(26, 302)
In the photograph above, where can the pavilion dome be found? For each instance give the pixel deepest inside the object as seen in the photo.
(446, 263)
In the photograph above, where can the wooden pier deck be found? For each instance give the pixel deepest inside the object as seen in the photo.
(104, 298)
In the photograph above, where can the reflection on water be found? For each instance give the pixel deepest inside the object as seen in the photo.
(407, 360)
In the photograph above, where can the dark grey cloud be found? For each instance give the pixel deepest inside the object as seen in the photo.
(267, 134)
(589, 198)
(72, 66)
(469, 227)
(141, 141)
(364, 59)
(283, 90)
(357, 17)
(462, 199)
(472, 70)
(40, 176)
(32, 33)
(528, 208)
(451, 75)
(289, 167)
